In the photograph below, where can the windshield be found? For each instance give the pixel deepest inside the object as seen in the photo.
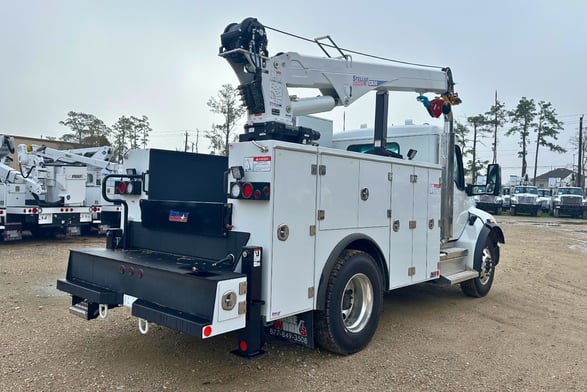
(525, 189)
(543, 192)
(570, 191)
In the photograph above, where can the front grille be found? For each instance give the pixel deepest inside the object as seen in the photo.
(571, 201)
(487, 198)
(526, 200)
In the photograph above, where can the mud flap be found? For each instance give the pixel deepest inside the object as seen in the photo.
(298, 329)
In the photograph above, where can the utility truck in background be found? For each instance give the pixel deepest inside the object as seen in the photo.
(73, 182)
(568, 200)
(524, 200)
(56, 191)
(289, 237)
(13, 188)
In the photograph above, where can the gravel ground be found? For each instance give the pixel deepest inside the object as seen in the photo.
(528, 334)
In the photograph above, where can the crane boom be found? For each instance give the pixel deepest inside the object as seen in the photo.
(264, 81)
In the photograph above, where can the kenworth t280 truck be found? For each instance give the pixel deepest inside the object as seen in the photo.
(288, 237)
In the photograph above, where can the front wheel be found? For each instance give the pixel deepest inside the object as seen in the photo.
(352, 306)
(480, 286)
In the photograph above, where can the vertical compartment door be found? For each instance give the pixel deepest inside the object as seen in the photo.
(420, 231)
(294, 211)
(402, 200)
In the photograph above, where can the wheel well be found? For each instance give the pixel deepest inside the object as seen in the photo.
(356, 242)
(489, 230)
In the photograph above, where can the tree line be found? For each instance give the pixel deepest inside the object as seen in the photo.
(133, 132)
(128, 132)
(529, 121)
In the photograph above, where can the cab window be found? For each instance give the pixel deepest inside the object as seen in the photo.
(363, 148)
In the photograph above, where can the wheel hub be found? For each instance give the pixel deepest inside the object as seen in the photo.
(356, 305)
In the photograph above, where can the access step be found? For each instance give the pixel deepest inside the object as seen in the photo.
(461, 276)
(170, 318)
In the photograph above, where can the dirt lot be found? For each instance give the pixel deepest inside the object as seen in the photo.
(528, 334)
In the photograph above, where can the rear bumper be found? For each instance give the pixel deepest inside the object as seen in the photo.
(168, 291)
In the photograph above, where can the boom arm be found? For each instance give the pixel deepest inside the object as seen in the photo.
(264, 81)
(10, 176)
(92, 156)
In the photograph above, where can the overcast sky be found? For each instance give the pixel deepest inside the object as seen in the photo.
(159, 58)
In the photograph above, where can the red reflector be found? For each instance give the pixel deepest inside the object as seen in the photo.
(1, 212)
(122, 187)
(131, 271)
(61, 209)
(140, 273)
(266, 191)
(207, 331)
(257, 194)
(243, 345)
(121, 269)
(94, 209)
(247, 190)
(24, 210)
(35, 210)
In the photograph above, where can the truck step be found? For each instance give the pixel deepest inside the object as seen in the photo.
(179, 321)
(452, 261)
(461, 276)
(452, 253)
(84, 310)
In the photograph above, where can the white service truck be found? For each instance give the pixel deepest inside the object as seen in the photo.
(55, 191)
(524, 200)
(568, 200)
(288, 237)
(16, 212)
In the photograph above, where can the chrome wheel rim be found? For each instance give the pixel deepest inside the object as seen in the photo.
(356, 304)
(486, 266)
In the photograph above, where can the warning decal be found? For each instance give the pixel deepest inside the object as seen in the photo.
(257, 164)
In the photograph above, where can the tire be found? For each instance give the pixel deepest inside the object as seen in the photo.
(353, 302)
(480, 286)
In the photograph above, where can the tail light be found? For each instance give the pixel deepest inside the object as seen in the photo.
(250, 190)
(127, 187)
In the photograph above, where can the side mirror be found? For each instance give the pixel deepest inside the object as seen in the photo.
(493, 184)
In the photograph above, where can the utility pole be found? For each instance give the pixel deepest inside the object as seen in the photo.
(186, 142)
(580, 161)
(197, 138)
(495, 132)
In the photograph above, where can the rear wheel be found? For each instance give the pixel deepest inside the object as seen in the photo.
(479, 287)
(352, 305)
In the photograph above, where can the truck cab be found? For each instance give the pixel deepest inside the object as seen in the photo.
(524, 200)
(568, 201)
